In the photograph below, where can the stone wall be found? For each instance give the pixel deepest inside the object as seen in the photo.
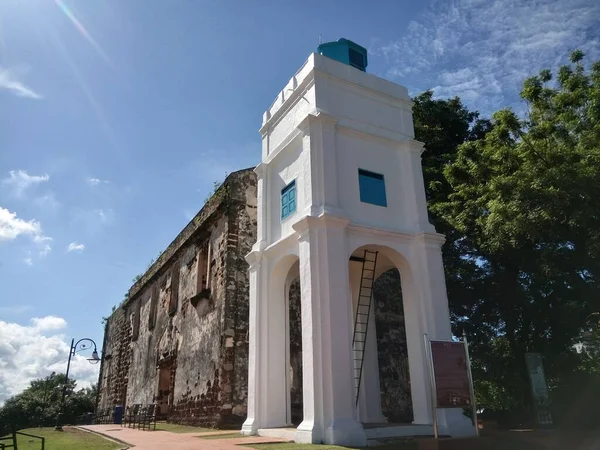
(241, 236)
(182, 340)
(116, 361)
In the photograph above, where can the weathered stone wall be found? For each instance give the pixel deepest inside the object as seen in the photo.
(116, 360)
(198, 332)
(187, 348)
(394, 379)
(241, 237)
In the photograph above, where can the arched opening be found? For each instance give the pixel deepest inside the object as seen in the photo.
(285, 340)
(382, 379)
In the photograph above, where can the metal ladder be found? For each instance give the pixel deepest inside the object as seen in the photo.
(363, 311)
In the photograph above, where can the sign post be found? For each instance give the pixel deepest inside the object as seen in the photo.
(451, 378)
(539, 388)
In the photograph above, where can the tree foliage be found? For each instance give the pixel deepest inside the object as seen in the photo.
(40, 403)
(517, 200)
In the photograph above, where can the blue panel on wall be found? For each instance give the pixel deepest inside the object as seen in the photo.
(288, 200)
(372, 188)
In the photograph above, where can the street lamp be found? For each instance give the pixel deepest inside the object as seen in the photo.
(80, 345)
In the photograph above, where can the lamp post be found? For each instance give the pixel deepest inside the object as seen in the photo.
(80, 345)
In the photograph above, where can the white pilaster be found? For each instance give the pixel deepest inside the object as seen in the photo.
(255, 373)
(427, 262)
(327, 331)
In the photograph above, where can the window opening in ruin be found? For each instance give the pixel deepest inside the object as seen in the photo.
(153, 305)
(202, 270)
(163, 395)
(136, 320)
(174, 298)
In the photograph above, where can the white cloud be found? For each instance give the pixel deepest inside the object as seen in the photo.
(48, 323)
(96, 181)
(75, 247)
(482, 50)
(12, 227)
(43, 241)
(20, 180)
(28, 352)
(9, 81)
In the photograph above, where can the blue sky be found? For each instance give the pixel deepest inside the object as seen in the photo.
(116, 117)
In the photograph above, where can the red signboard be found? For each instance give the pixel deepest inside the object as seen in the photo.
(451, 374)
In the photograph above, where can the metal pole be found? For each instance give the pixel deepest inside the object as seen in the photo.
(64, 391)
(471, 387)
(429, 356)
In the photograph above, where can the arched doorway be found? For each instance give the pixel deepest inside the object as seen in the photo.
(285, 343)
(381, 369)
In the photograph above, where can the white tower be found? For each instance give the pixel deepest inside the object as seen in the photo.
(341, 174)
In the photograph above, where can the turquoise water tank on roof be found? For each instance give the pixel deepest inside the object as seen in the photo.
(346, 52)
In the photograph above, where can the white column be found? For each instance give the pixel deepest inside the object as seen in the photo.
(324, 168)
(329, 402)
(261, 207)
(416, 188)
(428, 270)
(251, 425)
(310, 431)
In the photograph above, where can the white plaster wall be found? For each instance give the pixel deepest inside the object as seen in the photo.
(357, 152)
(355, 105)
(279, 130)
(285, 168)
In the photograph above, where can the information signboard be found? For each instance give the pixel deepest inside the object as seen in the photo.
(539, 388)
(452, 385)
(450, 376)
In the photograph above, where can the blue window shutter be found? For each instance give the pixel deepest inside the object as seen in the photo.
(288, 200)
(372, 188)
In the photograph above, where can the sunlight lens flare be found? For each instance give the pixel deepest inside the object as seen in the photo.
(71, 16)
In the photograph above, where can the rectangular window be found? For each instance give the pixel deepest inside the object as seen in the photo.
(356, 59)
(201, 274)
(288, 200)
(136, 320)
(174, 299)
(153, 304)
(372, 188)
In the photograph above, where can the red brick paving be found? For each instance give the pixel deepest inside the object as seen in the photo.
(165, 440)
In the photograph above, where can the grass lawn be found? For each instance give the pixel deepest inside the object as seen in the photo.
(174, 428)
(69, 439)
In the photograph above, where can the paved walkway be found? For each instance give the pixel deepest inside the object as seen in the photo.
(165, 440)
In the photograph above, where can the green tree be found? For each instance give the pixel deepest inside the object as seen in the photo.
(524, 201)
(40, 403)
